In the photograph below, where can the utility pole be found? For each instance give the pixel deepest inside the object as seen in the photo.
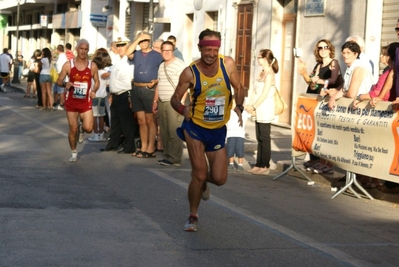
(16, 60)
(151, 19)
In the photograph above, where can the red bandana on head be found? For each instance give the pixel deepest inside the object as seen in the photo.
(209, 43)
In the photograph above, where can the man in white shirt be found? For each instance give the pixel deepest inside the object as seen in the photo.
(5, 67)
(120, 86)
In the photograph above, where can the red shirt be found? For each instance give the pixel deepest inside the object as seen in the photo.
(69, 54)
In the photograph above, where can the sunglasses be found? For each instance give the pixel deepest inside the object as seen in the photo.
(396, 29)
(120, 45)
(323, 47)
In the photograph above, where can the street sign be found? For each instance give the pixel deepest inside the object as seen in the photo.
(98, 20)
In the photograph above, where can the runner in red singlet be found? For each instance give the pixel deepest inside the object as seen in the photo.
(79, 92)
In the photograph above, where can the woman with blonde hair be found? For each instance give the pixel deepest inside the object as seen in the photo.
(262, 103)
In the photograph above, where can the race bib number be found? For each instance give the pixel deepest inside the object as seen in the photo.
(80, 90)
(214, 108)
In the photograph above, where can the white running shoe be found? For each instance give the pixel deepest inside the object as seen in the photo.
(74, 157)
(191, 225)
(80, 134)
(206, 194)
(101, 137)
(3, 88)
(94, 138)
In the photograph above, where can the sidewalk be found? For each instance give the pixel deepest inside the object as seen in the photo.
(281, 154)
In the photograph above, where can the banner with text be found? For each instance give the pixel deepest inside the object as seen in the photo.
(363, 140)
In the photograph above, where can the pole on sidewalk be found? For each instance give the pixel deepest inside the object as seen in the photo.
(16, 60)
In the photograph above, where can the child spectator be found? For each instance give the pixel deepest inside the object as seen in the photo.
(235, 139)
(103, 61)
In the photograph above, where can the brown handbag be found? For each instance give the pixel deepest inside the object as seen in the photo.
(279, 104)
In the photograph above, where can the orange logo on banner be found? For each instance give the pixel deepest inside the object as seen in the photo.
(395, 131)
(304, 124)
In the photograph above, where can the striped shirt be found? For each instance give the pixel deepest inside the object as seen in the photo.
(174, 69)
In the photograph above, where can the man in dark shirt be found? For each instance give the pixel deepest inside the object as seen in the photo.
(146, 64)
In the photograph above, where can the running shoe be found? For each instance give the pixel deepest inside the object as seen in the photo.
(94, 138)
(231, 168)
(206, 194)
(165, 162)
(80, 135)
(74, 157)
(191, 224)
(240, 168)
(3, 88)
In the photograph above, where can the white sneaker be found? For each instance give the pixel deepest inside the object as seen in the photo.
(80, 133)
(94, 138)
(3, 88)
(101, 137)
(74, 157)
(60, 107)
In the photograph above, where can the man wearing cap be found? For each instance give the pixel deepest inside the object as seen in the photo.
(121, 112)
(146, 64)
(204, 129)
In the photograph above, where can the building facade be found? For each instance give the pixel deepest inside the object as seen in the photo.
(290, 28)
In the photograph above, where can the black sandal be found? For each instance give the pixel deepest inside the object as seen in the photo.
(137, 153)
(148, 155)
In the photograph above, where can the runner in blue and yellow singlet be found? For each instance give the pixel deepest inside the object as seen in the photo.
(209, 80)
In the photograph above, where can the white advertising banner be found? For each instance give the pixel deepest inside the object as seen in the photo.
(363, 140)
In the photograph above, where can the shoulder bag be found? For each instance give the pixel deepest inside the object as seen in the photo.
(167, 76)
(279, 104)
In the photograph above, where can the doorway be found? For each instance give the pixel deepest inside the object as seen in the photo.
(244, 44)
(287, 71)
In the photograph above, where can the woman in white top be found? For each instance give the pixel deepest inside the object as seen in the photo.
(262, 102)
(45, 81)
(358, 79)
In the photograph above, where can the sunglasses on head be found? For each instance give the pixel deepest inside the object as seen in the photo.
(396, 29)
(322, 47)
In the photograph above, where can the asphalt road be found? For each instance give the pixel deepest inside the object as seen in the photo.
(112, 209)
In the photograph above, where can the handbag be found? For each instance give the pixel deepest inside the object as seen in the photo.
(279, 104)
(25, 72)
(53, 74)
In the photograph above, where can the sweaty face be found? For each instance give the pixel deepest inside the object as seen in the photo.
(209, 54)
(82, 50)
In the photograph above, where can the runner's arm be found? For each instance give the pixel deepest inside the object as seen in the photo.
(185, 81)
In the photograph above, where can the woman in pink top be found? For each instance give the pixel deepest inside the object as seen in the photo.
(380, 90)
